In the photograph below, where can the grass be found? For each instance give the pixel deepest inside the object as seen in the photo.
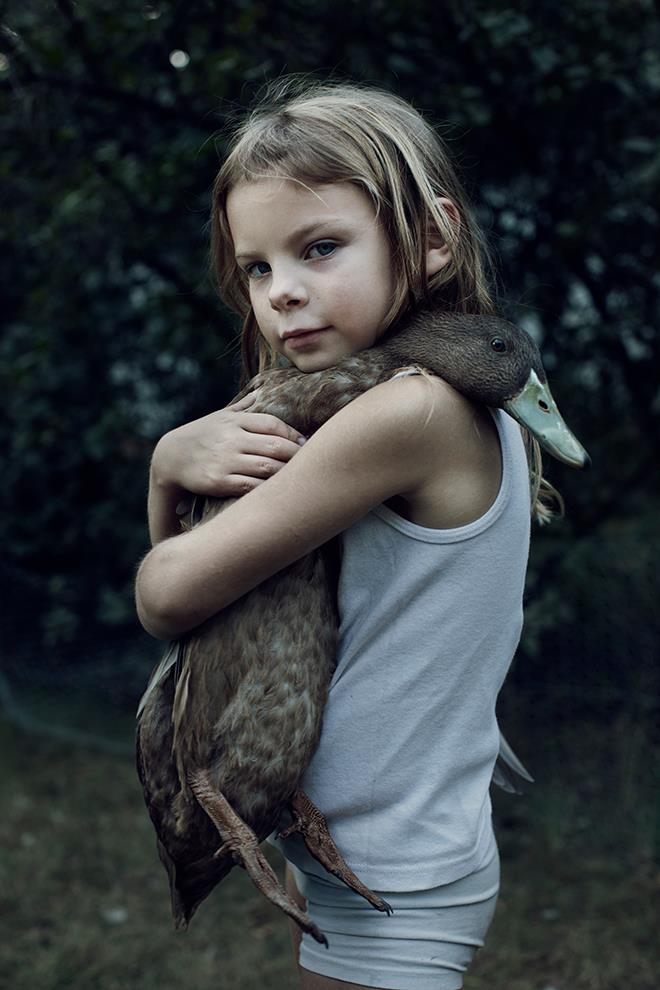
(85, 901)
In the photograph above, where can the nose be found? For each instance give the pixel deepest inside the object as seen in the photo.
(287, 291)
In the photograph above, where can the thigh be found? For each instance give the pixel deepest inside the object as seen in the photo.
(427, 944)
(295, 895)
(314, 981)
(309, 980)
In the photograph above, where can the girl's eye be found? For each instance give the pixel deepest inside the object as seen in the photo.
(256, 269)
(322, 249)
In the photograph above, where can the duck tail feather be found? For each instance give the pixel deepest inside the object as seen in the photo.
(190, 884)
(509, 773)
(161, 670)
(180, 752)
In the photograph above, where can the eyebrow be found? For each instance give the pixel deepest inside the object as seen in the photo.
(338, 223)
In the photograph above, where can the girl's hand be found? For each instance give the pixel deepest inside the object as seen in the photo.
(227, 453)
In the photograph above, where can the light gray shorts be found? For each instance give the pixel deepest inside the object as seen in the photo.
(426, 944)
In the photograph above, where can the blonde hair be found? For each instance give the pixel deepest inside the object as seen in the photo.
(318, 133)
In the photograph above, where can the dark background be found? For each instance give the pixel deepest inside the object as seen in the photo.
(112, 126)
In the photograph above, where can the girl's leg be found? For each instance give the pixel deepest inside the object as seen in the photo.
(295, 895)
(314, 981)
(308, 980)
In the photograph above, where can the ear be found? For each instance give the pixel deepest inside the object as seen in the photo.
(439, 252)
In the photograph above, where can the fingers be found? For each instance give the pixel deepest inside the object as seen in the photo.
(266, 424)
(262, 422)
(237, 472)
(245, 403)
(262, 467)
(227, 452)
(240, 484)
(264, 447)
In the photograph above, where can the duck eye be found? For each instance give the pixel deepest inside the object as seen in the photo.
(498, 345)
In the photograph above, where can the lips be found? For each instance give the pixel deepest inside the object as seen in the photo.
(303, 337)
(301, 332)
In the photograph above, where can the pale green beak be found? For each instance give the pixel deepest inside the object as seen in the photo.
(535, 409)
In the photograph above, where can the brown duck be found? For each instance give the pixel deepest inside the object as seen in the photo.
(232, 714)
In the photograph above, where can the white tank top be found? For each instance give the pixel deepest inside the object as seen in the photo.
(429, 623)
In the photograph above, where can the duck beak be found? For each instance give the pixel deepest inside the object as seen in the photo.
(535, 409)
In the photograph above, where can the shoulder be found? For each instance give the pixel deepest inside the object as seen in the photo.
(442, 451)
(406, 402)
(416, 415)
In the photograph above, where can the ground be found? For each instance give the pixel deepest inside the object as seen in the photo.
(85, 902)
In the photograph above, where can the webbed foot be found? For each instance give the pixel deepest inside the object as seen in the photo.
(239, 841)
(308, 820)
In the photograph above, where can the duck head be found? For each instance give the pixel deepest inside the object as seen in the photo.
(492, 362)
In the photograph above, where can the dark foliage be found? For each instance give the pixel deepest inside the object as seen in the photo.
(113, 333)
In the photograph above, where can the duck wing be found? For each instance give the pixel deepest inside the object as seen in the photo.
(238, 730)
(256, 679)
(185, 838)
(509, 773)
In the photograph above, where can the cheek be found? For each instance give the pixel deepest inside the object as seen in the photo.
(260, 306)
(373, 285)
(370, 303)
(264, 324)
(255, 296)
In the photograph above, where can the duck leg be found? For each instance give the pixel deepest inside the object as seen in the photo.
(240, 842)
(308, 820)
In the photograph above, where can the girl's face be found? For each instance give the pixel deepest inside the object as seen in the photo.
(319, 267)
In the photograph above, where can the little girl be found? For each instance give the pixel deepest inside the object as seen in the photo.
(336, 210)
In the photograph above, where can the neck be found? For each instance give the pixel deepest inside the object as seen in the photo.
(426, 339)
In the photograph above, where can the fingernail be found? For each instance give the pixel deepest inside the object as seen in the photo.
(301, 440)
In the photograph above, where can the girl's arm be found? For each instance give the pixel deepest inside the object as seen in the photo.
(384, 443)
(228, 452)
